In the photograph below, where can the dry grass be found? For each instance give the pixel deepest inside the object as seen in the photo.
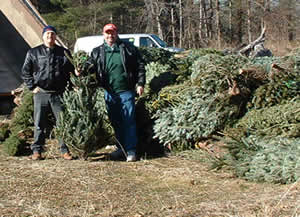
(178, 185)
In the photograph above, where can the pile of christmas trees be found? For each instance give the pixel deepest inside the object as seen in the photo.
(252, 105)
(264, 145)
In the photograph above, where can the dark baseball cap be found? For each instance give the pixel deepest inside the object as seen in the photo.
(49, 29)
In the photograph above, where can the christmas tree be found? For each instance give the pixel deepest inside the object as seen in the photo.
(83, 125)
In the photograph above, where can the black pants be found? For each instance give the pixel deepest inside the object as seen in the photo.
(43, 102)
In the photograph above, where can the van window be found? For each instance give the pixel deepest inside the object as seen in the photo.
(130, 40)
(147, 42)
(159, 41)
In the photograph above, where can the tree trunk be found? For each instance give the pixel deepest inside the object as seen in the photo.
(291, 17)
(173, 26)
(180, 24)
(246, 50)
(149, 14)
(218, 27)
(239, 20)
(230, 20)
(200, 30)
(249, 20)
(209, 22)
(156, 12)
(263, 22)
(205, 15)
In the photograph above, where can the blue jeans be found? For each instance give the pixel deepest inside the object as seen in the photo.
(43, 102)
(121, 112)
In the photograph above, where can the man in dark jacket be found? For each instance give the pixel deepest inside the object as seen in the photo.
(46, 71)
(120, 71)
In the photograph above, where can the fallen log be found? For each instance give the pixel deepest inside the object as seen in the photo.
(260, 40)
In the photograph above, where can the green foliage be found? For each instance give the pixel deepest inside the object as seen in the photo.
(169, 96)
(195, 53)
(158, 76)
(194, 119)
(210, 68)
(274, 93)
(74, 19)
(67, 23)
(14, 145)
(264, 144)
(83, 124)
(147, 145)
(192, 111)
(156, 55)
(283, 86)
(273, 121)
(58, 3)
(165, 64)
(4, 131)
(80, 62)
(183, 70)
(23, 114)
(260, 159)
(154, 69)
(195, 110)
(186, 59)
(22, 120)
(194, 115)
(265, 61)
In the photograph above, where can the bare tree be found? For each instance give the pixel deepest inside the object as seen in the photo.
(201, 22)
(218, 28)
(149, 13)
(180, 24)
(249, 10)
(230, 20)
(155, 10)
(173, 25)
(240, 20)
(209, 22)
(203, 30)
(191, 23)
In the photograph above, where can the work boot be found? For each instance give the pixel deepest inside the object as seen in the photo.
(36, 156)
(67, 156)
(131, 156)
(116, 155)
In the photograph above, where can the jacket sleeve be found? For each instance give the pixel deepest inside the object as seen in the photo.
(95, 65)
(27, 71)
(92, 62)
(69, 67)
(141, 72)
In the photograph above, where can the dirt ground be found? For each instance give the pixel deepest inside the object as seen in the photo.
(176, 185)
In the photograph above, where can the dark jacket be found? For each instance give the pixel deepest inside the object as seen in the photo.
(47, 69)
(132, 61)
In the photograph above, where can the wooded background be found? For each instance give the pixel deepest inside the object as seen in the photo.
(181, 23)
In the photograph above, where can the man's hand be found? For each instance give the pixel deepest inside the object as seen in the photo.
(140, 90)
(77, 72)
(36, 90)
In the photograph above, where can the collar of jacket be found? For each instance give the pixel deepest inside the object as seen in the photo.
(118, 42)
(45, 47)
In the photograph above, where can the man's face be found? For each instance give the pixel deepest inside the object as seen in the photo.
(49, 38)
(110, 37)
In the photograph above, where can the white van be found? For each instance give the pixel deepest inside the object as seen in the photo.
(139, 40)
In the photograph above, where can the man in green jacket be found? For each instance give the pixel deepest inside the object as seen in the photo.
(120, 70)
